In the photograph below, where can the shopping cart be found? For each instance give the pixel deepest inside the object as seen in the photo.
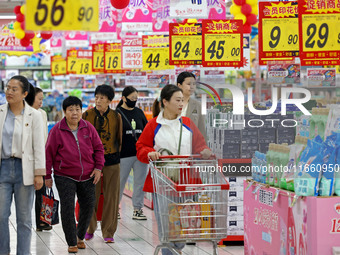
(192, 200)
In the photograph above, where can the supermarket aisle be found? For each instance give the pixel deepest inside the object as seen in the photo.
(132, 238)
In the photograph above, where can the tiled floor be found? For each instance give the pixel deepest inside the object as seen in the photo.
(133, 237)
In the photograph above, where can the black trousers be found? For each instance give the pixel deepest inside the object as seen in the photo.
(67, 189)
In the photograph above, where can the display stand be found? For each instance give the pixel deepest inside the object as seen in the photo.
(236, 171)
(279, 222)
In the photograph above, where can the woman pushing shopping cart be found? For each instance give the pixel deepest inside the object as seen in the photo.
(174, 134)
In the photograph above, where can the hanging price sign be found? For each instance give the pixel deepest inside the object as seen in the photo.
(113, 58)
(48, 15)
(58, 65)
(132, 53)
(71, 61)
(185, 44)
(222, 42)
(98, 57)
(156, 52)
(319, 32)
(278, 31)
(84, 62)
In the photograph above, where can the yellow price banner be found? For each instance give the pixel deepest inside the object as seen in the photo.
(112, 58)
(84, 66)
(98, 57)
(222, 43)
(280, 34)
(185, 43)
(224, 47)
(48, 15)
(156, 59)
(58, 65)
(321, 32)
(186, 49)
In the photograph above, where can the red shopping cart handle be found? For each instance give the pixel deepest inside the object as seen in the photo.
(185, 156)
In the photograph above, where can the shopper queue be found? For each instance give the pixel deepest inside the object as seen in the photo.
(90, 154)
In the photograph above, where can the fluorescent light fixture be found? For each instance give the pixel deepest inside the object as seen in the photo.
(8, 17)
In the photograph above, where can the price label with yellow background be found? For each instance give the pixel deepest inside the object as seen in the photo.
(319, 33)
(278, 31)
(48, 15)
(112, 58)
(71, 61)
(222, 43)
(156, 52)
(84, 62)
(185, 44)
(58, 65)
(98, 57)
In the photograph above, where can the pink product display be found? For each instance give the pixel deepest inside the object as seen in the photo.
(278, 222)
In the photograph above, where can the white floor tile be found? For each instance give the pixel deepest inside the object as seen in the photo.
(132, 238)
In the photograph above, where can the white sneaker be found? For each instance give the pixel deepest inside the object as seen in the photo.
(138, 215)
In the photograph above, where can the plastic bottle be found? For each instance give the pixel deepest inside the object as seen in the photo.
(133, 124)
(291, 233)
(263, 164)
(284, 160)
(322, 121)
(270, 165)
(313, 128)
(277, 164)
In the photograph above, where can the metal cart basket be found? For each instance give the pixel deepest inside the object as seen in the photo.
(192, 197)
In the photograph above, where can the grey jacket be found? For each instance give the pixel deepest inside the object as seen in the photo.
(194, 112)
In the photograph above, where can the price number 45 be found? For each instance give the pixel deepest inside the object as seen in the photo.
(219, 51)
(275, 36)
(58, 12)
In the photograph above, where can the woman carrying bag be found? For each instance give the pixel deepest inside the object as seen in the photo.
(134, 122)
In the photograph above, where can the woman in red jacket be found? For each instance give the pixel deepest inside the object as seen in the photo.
(76, 153)
(163, 131)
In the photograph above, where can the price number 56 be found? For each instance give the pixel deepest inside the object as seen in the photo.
(57, 12)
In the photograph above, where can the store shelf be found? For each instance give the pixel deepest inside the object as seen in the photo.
(91, 90)
(33, 68)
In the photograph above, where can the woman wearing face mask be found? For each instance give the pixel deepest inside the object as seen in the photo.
(134, 122)
(191, 108)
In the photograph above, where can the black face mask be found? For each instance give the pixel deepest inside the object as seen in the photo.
(130, 104)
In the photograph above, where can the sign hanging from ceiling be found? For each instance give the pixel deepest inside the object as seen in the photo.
(48, 15)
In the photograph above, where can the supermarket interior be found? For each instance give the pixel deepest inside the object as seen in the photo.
(267, 89)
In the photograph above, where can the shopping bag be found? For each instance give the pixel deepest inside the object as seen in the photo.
(49, 209)
(55, 214)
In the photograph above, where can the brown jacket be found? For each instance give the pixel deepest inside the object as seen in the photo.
(110, 129)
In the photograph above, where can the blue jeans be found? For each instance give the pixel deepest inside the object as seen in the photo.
(11, 182)
(140, 171)
(177, 245)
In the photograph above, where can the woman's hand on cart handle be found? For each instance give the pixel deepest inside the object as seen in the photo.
(154, 155)
(206, 153)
